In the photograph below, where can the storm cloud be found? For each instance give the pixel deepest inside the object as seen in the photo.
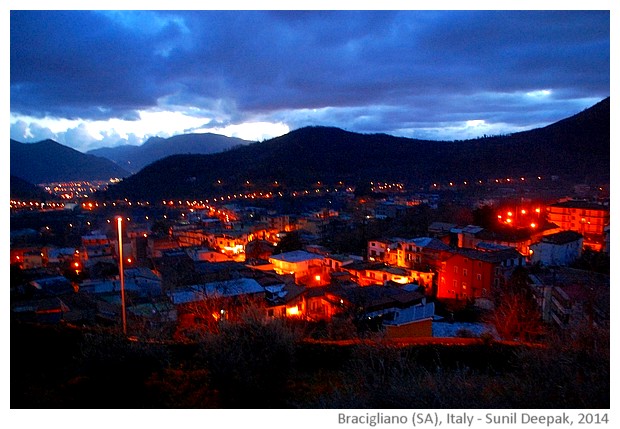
(424, 74)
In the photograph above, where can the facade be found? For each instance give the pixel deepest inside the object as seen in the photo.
(336, 262)
(568, 298)
(376, 273)
(422, 253)
(586, 218)
(470, 274)
(383, 251)
(298, 263)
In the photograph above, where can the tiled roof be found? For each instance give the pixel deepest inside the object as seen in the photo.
(492, 257)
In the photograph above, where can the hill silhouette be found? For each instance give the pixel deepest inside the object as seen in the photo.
(576, 148)
(49, 161)
(134, 158)
(23, 190)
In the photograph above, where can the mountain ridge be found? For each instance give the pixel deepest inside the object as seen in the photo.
(577, 146)
(49, 161)
(134, 158)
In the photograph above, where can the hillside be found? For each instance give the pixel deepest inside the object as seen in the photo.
(23, 190)
(134, 158)
(49, 161)
(576, 147)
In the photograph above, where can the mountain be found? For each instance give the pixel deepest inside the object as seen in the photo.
(134, 158)
(577, 147)
(24, 191)
(49, 161)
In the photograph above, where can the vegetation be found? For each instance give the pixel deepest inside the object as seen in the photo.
(258, 363)
(330, 155)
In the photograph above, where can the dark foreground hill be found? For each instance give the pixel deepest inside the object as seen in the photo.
(49, 161)
(576, 148)
(134, 158)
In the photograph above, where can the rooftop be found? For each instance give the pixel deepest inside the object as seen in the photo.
(296, 256)
(492, 257)
(562, 237)
(576, 204)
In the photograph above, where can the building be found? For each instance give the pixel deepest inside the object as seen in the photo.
(562, 248)
(441, 231)
(390, 209)
(400, 313)
(207, 304)
(336, 262)
(285, 300)
(469, 274)
(587, 218)
(383, 250)
(299, 263)
(422, 253)
(377, 273)
(568, 298)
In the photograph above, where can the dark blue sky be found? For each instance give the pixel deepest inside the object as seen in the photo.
(102, 78)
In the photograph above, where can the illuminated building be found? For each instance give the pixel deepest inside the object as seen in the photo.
(470, 273)
(586, 218)
(376, 273)
(298, 263)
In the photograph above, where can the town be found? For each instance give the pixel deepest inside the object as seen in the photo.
(304, 264)
(513, 260)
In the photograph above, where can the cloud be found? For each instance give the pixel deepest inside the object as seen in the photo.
(410, 72)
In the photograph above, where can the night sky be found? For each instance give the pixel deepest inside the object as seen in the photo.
(105, 78)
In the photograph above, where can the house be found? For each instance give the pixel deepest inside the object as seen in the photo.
(158, 246)
(383, 250)
(400, 313)
(190, 235)
(467, 236)
(213, 290)
(32, 259)
(441, 231)
(209, 303)
(299, 263)
(92, 254)
(422, 253)
(562, 248)
(139, 281)
(259, 249)
(336, 262)
(390, 209)
(470, 274)
(95, 240)
(512, 237)
(58, 256)
(569, 298)
(206, 254)
(285, 300)
(376, 273)
(606, 240)
(232, 243)
(323, 303)
(587, 218)
(51, 286)
(278, 223)
(53, 300)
